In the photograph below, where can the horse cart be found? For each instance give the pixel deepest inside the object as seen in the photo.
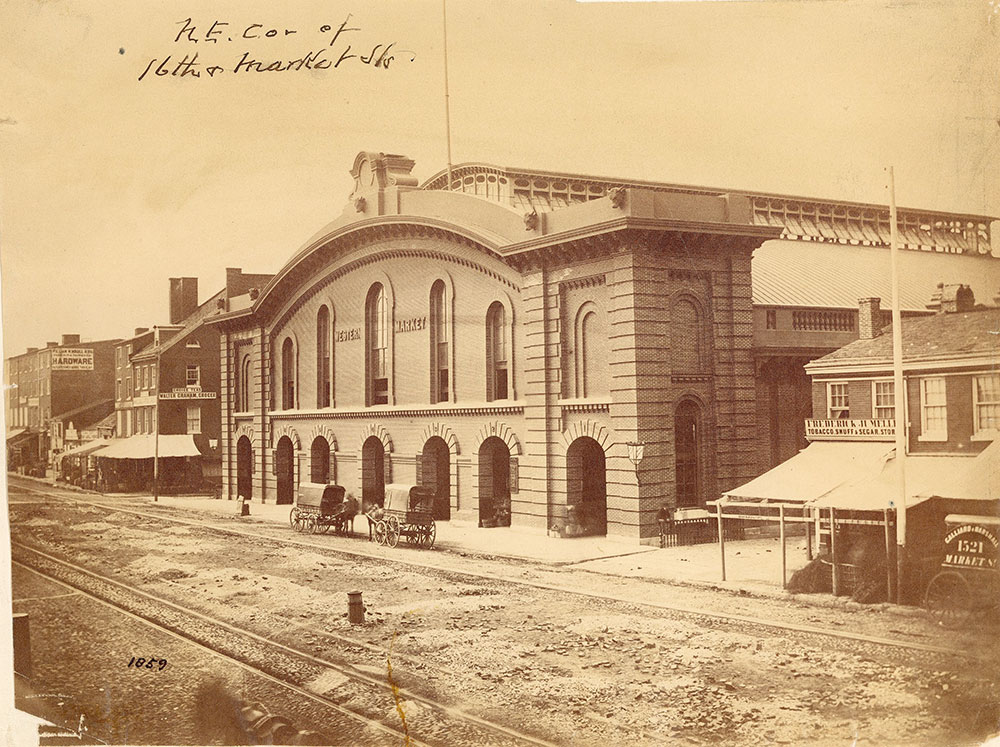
(968, 583)
(319, 508)
(407, 512)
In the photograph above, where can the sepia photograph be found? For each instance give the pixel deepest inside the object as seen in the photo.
(534, 373)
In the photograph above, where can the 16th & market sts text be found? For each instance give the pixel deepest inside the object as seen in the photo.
(337, 45)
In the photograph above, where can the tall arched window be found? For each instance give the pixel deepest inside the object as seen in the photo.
(590, 352)
(245, 385)
(377, 344)
(440, 321)
(686, 337)
(288, 374)
(496, 352)
(323, 357)
(319, 460)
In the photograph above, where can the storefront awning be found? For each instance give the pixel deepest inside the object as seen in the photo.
(145, 447)
(85, 449)
(17, 435)
(818, 469)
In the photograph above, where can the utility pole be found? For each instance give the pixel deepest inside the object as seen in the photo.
(899, 396)
(447, 106)
(156, 434)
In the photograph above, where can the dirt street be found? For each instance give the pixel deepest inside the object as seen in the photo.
(569, 668)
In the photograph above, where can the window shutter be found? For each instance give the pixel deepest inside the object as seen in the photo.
(513, 474)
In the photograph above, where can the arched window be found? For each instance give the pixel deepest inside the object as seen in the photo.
(687, 353)
(323, 357)
(590, 352)
(496, 352)
(687, 443)
(319, 461)
(440, 321)
(288, 374)
(377, 344)
(244, 385)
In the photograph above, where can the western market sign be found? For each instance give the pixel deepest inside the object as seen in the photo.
(874, 429)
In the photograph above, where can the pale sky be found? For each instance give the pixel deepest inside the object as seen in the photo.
(111, 185)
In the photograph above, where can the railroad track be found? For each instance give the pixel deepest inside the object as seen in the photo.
(844, 635)
(371, 697)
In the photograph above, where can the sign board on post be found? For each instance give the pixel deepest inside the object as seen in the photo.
(875, 429)
(73, 359)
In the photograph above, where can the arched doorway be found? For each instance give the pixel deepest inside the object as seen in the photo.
(319, 460)
(435, 472)
(587, 487)
(373, 472)
(244, 468)
(687, 437)
(284, 461)
(494, 483)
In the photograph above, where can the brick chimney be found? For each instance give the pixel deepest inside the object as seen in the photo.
(139, 331)
(70, 340)
(52, 344)
(869, 318)
(950, 299)
(183, 298)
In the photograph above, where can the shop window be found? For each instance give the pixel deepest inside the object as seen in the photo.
(288, 374)
(440, 321)
(377, 344)
(496, 353)
(986, 404)
(933, 410)
(323, 357)
(838, 401)
(883, 401)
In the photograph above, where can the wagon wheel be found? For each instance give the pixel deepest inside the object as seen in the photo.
(324, 527)
(949, 599)
(430, 534)
(293, 516)
(379, 532)
(392, 531)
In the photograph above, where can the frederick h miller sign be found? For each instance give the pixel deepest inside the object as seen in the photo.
(851, 430)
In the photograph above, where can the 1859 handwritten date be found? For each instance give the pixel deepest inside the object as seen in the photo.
(151, 663)
(341, 44)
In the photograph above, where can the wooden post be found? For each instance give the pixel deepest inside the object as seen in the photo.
(781, 534)
(833, 552)
(722, 542)
(889, 591)
(807, 514)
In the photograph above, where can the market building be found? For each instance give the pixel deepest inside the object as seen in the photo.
(65, 385)
(560, 352)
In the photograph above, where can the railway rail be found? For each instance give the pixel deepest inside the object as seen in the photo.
(715, 615)
(372, 697)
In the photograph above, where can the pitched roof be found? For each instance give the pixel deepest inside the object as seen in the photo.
(812, 274)
(967, 334)
(191, 323)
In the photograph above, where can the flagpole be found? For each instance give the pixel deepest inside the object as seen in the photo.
(447, 105)
(899, 395)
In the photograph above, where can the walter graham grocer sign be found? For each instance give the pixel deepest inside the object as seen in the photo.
(73, 359)
(875, 429)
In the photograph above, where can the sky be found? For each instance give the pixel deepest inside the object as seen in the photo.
(111, 184)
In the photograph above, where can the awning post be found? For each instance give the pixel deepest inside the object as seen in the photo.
(833, 552)
(807, 514)
(889, 590)
(781, 534)
(722, 542)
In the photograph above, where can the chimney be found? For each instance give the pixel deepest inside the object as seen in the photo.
(950, 299)
(52, 344)
(70, 340)
(140, 330)
(869, 318)
(32, 350)
(183, 298)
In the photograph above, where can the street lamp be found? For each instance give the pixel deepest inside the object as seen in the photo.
(635, 450)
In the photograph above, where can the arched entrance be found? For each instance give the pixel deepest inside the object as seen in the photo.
(687, 435)
(244, 468)
(373, 472)
(319, 460)
(586, 485)
(494, 483)
(284, 461)
(435, 472)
